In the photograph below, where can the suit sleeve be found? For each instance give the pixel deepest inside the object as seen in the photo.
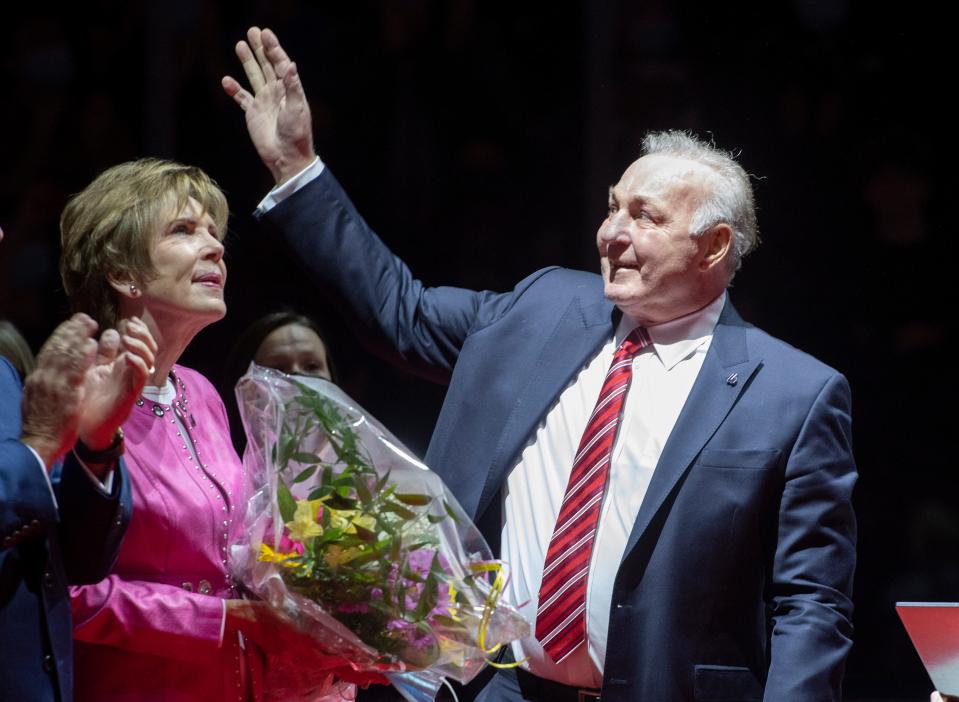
(815, 554)
(92, 523)
(426, 326)
(27, 508)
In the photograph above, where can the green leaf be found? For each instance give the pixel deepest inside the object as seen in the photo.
(399, 510)
(450, 512)
(413, 575)
(413, 499)
(304, 474)
(287, 447)
(428, 599)
(329, 535)
(381, 483)
(285, 501)
(447, 622)
(304, 457)
(365, 534)
(319, 492)
(435, 518)
(363, 490)
(339, 502)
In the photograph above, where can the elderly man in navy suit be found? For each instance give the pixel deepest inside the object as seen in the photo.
(64, 496)
(671, 485)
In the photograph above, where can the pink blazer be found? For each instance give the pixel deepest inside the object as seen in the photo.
(152, 629)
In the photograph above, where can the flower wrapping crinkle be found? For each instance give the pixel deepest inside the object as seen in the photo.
(361, 544)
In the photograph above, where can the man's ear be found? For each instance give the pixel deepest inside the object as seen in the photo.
(718, 245)
(124, 284)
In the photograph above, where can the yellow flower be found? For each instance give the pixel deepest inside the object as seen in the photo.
(336, 556)
(268, 555)
(453, 607)
(345, 519)
(304, 524)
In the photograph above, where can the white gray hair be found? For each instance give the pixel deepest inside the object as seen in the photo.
(730, 197)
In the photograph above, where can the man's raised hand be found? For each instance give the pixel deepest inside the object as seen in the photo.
(277, 113)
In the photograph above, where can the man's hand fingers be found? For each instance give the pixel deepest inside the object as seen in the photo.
(254, 74)
(107, 348)
(138, 349)
(294, 88)
(255, 39)
(138, 329)
(274, 52)
(71, 349)
(140, 371)
(240, 96)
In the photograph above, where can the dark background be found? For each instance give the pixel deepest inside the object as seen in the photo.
(479, 139)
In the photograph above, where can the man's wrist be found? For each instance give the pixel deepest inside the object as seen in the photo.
(47, 449)
(100, 452)
(284, 170)
(104, 439)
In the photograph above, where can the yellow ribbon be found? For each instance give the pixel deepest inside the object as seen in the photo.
(499, 583)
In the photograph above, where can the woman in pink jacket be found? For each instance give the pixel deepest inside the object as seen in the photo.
(146, 239)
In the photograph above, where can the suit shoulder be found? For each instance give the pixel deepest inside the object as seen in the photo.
(9, 379)
(555, 280)
(544, 289)
(790, 358)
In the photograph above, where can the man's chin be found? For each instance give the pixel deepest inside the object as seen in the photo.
(619, 294)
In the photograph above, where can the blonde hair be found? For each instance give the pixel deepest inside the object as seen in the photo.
(15, 349)
(108, 228)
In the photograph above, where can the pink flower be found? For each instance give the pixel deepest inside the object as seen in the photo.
(287, 544)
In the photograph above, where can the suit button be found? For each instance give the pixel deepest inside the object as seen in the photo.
(48, 580)
(48, 663)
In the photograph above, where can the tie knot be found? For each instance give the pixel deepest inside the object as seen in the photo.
(635, 341)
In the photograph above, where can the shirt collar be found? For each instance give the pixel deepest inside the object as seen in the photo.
(678, 338)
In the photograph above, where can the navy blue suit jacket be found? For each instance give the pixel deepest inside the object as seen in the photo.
(42, 548)
(736, 579)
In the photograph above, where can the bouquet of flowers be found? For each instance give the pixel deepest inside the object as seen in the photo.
(360, 543)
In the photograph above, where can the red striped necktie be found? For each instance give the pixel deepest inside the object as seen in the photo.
(561, 617)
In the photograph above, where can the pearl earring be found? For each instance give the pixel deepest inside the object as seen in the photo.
(133, 290)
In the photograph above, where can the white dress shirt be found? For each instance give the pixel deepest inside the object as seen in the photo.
(663, 375)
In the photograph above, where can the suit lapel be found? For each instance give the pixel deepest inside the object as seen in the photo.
(581, 330)
(725, 375)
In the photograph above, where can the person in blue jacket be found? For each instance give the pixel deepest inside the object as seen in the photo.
(704, 519)
(64, 495)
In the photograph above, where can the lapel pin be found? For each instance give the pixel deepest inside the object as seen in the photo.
(732, 379)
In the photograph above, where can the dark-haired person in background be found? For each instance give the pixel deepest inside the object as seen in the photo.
(61, 523)
(706, 550)
(285, 340)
